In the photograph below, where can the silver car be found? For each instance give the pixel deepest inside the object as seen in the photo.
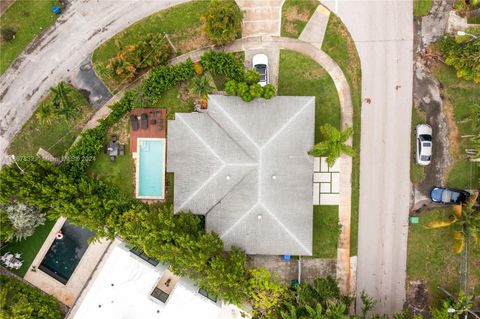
(423, 135)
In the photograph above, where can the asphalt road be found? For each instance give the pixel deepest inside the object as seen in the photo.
(383, 33)
(58, 54)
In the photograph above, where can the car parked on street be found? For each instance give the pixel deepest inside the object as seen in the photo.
(444, 195)
(260, 63)
(423, 136)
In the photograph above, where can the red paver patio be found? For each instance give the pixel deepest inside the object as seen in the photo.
(157, 130)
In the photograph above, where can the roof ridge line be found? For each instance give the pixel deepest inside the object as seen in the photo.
(287, 123)
(284, 227)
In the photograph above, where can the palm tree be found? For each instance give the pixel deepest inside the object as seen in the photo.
(63, 102)
(466, 223)
(201, 86)
(333, 144)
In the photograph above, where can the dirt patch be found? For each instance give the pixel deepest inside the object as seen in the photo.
(192, 40)
(290, 27)
(418, 296)
(293, 13)
(184, 92)
(452, 128)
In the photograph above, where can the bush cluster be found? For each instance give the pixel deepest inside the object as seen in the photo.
(223, 63)
(223, 21)
(19, 300)
(151, 51)
(165, 77)
(249, 92)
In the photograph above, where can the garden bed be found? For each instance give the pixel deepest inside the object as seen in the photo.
(28, 19)
(182, 23)
(55, 137)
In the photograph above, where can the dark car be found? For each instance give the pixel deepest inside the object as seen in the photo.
(144, 120)
(134, 122)
(445, 195)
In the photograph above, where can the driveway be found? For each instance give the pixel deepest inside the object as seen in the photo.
(58, 54)
(383, 34)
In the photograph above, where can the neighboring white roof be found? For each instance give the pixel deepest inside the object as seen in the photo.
(245, 166)
(133, 281)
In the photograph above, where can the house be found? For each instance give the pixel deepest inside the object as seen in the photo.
(245, 167)
(129, 285)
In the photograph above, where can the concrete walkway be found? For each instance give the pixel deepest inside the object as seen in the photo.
(315, 29)
(261, 17)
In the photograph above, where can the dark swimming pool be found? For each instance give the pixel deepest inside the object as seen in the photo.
(64, 255)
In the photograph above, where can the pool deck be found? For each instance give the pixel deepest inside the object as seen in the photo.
(153, 130)
(67, 294)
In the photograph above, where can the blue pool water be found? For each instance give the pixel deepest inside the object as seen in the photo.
(64, 255)
(151, 170)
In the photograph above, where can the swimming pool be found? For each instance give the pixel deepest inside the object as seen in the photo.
(150, 168)
(64, 255)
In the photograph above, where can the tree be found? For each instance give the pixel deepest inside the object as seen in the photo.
(201, 86)
(231, 87)
(465, 222)
(463, 53)
(223, 21)
(63, 103)
(7, 231)
(252, 77)
(20, 301)
(23, 218)
(268, 91)
(333, 144)
(265, 293)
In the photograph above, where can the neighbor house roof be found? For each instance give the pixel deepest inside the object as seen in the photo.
(122, 286)
(245, 166)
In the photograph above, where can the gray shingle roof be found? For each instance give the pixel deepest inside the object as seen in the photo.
(245, 166)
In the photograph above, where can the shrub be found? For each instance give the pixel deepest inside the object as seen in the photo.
(223, 21)
(231, 87)
(7, 34)
(256, 90)
(223, 63)
(165, 77)
(268, 91)
(197, 66)
(462, 54)
(247, 96)
(19, 300)
(7, 231)
(252, 77)
(265, 293)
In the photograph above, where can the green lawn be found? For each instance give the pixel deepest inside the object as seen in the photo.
(295, 15)
(339, 45)
(421, 7)
(431, 258)
(182, 23)
(301, 76)
(417, 172)
(56, 137)
(325, 231)
(120, 172)
(29, 247)
(461, 95)
(28, 19)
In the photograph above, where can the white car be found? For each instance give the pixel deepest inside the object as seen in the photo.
(260, 63)
(423, 135)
